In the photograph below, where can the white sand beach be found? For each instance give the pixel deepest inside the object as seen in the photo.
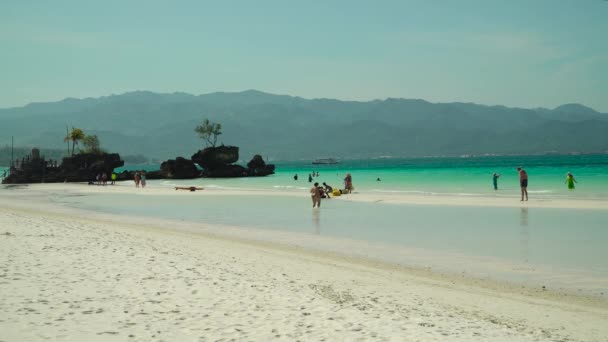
(68, 275)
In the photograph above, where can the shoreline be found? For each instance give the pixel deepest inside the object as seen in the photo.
(397, 199)
(587, 280)
(109, 279)
(414, 259)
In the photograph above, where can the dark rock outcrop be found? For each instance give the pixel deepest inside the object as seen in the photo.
(82, 167)
(213, 157)
(217, 162)
(257, 167)
(85, 167)
(225, 171)
(179, 168)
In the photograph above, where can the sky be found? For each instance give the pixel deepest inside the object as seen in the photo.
(518, 53)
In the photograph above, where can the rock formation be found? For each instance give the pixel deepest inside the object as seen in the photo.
(257, 167)
(81, 167)
(213, 157)
(180, 168)
(218, 162)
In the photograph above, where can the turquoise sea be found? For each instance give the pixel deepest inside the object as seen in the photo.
(436, 176)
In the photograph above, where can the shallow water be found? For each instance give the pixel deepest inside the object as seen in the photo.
(564, 248)
(436, 176)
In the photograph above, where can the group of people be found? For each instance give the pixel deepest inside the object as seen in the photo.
(523, 182)
(317, 192)
(102, 179)
(140, 179)
(310, 176)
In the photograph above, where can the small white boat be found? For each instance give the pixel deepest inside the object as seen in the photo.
(322, 161)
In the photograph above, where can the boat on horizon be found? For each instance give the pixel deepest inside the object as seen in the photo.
(325, 161)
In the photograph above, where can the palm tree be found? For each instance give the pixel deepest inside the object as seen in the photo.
(75, 136)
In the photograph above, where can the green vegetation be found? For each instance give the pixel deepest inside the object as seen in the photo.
(91, 142)
(75, 135)
(209, 131)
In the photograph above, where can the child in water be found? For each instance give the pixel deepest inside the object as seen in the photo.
(570, 180)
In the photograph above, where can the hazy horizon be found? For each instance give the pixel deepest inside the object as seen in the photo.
(470, 51)
(289, 95)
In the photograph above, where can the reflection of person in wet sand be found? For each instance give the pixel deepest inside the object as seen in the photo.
(316, 220)
(523, 182)
(315, 195)
(525, 234)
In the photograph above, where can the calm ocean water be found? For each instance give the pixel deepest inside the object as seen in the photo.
(436, 176)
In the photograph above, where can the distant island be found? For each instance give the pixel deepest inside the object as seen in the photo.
(287, 128)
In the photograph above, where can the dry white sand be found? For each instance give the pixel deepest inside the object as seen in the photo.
(67, 277)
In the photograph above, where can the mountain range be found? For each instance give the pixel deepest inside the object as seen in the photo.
(283, 127)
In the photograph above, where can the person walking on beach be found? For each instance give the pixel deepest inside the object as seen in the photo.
(137, 178)
(495, 177)
(315, 195)
(348, 183)
(104, 179)
(142, 179)
(570, 181)
(523, 182)
(113, 177)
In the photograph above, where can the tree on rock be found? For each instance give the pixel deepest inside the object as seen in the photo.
(209, 131)
(91, 142)
(75, 135)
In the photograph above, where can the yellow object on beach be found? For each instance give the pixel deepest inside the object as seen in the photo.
(336, 192)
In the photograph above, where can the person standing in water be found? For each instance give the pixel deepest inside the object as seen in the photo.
(570, 181)
(495, 180)
(315, 195)
(309, 178)
(523, 182)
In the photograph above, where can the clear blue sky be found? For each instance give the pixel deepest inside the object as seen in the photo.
(525, 53)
